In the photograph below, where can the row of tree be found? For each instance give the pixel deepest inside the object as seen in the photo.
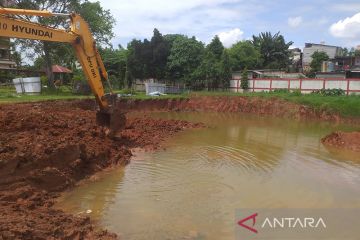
(179, 59)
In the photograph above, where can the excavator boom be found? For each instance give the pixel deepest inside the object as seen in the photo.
(79, 36)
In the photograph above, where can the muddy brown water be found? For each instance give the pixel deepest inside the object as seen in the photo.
(192, 189)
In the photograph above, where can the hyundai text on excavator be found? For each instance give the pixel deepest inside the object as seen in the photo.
(80, 37)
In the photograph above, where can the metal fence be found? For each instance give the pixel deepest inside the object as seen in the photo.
(163, 88)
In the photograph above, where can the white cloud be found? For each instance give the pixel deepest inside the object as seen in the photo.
(200, 18)
(294, 21)
(230, 37)
(348, 28)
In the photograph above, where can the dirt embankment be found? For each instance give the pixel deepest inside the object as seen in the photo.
(350, 141)
(254, 105)
(48, 147)
(261, 106)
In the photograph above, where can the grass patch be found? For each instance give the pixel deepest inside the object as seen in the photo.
(9, 95)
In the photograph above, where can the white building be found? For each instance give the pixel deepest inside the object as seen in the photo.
(311, 48)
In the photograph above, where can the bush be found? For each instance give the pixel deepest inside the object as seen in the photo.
(44, 81)
(244, 80)
(296, 92)
(329, 92)
(129, 91)
(282, 90)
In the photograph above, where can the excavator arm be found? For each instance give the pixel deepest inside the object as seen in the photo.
(79, 36)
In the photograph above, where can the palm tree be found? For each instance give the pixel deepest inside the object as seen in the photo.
(273, 48)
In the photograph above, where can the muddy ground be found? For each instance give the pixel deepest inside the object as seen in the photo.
(48, 147)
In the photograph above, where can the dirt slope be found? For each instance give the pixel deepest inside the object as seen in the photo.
(254, 105)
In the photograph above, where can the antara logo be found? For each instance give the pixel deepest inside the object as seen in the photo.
(285, 222)
(250, 228)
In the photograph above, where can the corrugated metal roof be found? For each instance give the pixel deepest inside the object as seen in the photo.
(60, 69)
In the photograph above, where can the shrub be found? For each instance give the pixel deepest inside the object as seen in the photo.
(44, 81)
(129, 91)
(329, 92)
(296, 92)
(244, 80)
(282, 90)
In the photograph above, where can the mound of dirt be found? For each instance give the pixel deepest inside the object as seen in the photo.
(344, 140)
(48, 147)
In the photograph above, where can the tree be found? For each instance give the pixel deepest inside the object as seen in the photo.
(170, 38)
(148, 59)
(225, 70)
(345, 52)
(356, 53)
(209, 70)
(273, 49)
(160, 52)
(244, 55)
(100, 21)
(134, 63)
(216, 47)
(115, 63)
(244, 80)
(317, 60)
(211, 64)
(185, 57)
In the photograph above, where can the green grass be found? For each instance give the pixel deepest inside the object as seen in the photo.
(9, 95)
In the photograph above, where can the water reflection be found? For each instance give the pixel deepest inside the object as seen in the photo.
(191, 190)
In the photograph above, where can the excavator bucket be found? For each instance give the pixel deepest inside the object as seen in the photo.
(114, 120)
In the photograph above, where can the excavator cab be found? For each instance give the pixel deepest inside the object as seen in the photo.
(80, 37)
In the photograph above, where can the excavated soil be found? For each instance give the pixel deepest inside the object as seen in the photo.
(46, 148)
(343, 140)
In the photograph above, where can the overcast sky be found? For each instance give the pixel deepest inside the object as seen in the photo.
(334, 22)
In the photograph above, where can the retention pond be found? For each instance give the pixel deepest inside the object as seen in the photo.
(192, 189)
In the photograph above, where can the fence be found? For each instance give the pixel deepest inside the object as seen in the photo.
(305, 85)
(163, 88)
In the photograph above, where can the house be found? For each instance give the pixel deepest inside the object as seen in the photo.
(296, 59)
(346, 63)
(311, 48)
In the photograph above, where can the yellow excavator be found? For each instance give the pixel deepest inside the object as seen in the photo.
(80, 37)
